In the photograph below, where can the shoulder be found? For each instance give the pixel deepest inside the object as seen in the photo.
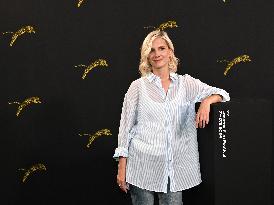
(187, 77)
(184, 76)
(189, 81)
(134, 87)
(135, 84)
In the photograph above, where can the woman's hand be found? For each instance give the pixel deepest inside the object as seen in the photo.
(121, 176)
(202, 115)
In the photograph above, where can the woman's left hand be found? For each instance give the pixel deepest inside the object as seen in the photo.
(202, 115)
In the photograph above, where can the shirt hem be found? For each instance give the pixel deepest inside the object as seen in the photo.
(156, 190)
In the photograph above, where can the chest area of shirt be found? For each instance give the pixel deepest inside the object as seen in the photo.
(165, 85)
(162, 94)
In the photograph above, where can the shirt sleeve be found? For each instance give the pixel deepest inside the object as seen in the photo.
(127, 121)
(197, 90)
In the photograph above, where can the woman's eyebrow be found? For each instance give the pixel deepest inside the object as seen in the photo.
(162, 46)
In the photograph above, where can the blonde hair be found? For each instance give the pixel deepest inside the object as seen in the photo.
(144, 66)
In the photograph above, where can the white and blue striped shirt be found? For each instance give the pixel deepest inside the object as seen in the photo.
(157, 132)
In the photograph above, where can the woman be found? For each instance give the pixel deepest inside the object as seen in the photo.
(157, 142)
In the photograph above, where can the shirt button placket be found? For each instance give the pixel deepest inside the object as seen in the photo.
(168, 134)
(168, 128)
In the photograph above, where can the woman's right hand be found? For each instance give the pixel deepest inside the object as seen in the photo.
(121, 176)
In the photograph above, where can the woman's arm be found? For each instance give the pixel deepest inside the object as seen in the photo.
(213, 99)
(121, 176)
(127, 121)
(202, 116)
(198, 91)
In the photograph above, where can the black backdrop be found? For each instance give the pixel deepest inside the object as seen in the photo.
(42, 64)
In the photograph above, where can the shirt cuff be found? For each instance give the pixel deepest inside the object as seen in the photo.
(120, 152)
(224, 95)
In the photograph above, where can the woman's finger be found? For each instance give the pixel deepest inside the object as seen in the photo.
(123, 187)
(203, 121)
(201, 126)
(200, 121)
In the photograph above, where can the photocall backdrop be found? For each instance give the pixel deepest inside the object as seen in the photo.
(66, 66)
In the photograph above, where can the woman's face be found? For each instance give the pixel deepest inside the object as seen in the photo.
(159, 54)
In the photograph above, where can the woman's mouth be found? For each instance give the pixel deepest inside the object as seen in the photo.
(157, 60)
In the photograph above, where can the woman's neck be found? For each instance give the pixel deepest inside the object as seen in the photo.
(162, 73)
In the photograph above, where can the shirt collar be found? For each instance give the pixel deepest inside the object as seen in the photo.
(151, 76)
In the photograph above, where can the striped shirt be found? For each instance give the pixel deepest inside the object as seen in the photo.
(157, 132)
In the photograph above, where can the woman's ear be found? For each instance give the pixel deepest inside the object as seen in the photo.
(170, 53)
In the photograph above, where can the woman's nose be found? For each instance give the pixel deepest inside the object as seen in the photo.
(157, 53)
